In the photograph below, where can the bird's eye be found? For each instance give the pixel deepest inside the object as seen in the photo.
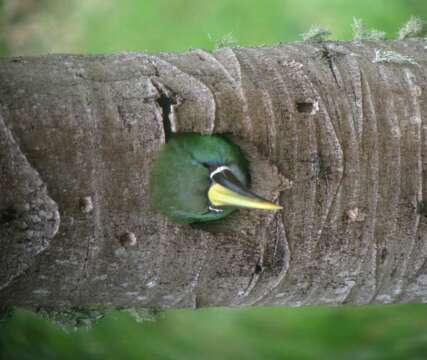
(210, 166)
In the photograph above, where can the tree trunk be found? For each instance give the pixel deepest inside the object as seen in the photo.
(339, 138)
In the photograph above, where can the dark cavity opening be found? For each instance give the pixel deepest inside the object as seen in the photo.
(304, 107)
(166, 102)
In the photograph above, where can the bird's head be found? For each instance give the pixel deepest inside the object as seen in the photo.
(201, 178)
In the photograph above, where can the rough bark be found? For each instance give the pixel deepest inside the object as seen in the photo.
(339, 138)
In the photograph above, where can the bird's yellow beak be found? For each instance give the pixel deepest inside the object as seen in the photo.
(219, 195)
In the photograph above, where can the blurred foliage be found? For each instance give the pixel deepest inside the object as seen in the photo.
(93, 26)
(29, 27)
(368, 333)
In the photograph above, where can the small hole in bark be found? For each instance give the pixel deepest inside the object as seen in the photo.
(304, 107)
(128, 239)
(258, 269)
(86, 204)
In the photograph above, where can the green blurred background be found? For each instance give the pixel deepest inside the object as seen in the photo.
(88, 26)
(29, 27)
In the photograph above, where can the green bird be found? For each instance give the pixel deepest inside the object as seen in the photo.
(198, 178)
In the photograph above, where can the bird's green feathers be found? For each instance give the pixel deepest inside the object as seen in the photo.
(179, 178)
